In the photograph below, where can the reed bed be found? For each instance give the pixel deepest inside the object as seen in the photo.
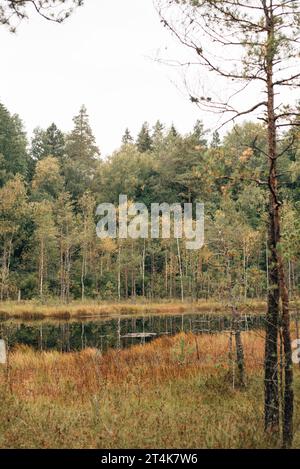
(36, 310)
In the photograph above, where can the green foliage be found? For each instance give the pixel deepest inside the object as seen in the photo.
(13, 153)
(47, 181)
(49, 142)
(81, 156)
(48, 243)
(144, 140)
(127, 138)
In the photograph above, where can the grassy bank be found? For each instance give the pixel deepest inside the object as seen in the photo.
(173, 392)
(36, 310)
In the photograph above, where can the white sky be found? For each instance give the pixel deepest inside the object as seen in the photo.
(100, 57)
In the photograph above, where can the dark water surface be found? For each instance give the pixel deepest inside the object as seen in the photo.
(114, 332)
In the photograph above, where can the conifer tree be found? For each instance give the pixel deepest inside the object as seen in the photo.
(13, 153)
(144, 140)
(216, 141)
(173, 131)
(198, 134)
(262, 38)
(49, 142)
(127, 138)
(81, 155)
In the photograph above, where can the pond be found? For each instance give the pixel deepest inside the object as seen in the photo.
(114, 332)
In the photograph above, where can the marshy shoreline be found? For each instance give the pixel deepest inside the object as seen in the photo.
(175, 392)
(31, 310)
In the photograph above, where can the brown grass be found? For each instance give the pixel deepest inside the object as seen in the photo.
(161, 395)
(160, 360)
(36, 310)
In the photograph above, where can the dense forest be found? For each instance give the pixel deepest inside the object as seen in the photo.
(50, 187)
(239, 62)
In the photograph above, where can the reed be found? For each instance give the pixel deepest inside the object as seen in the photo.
(36, 310)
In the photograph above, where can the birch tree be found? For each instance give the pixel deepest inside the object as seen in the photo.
(45, 237)
(87, 235)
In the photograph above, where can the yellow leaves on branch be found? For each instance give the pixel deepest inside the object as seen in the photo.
(246, 155)
(109, 245)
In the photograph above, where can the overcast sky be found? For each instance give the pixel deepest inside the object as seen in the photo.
(103, 57)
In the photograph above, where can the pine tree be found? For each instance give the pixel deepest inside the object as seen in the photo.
(49, 142)
(14, 157)
(144, 141)
(216, 141)
(81, 155)
(173, 132)
(37, 150)
(55, 141)
(199, 133)
(127, 138)
(268, 34)
(158, 134)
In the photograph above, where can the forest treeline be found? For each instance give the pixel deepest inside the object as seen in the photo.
(50, 187)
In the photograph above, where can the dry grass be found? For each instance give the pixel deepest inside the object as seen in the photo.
(36, 310)
(168, 393)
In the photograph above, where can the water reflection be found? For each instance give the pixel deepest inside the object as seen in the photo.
(106, 333)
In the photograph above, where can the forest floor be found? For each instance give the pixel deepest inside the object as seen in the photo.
(174, 392)
(37, 310)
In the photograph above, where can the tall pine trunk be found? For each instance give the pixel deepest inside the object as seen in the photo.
(277, 282)
(288, 404)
